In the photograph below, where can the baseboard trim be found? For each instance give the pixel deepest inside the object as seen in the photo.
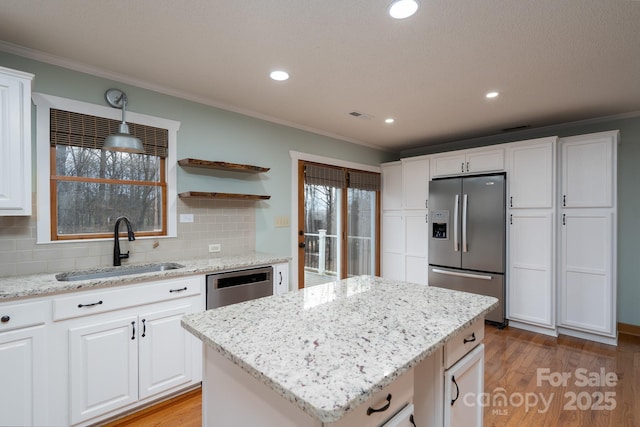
(627, 329)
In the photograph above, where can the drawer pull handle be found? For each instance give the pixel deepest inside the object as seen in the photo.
(370, 410)
(5, 319)
(90, 305)
(472, 339)
(453, 378)
(178, 290)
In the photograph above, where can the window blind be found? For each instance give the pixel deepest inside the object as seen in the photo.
(83, 130)
(364, 180)
(327, 176)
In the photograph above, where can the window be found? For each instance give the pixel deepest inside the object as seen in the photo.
(82, 190)
(90, 187)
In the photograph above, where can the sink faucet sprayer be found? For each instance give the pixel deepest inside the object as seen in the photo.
(117, 256)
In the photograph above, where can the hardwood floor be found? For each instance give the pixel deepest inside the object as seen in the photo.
(522, 385)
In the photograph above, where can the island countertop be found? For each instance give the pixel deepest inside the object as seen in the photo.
(330, 347)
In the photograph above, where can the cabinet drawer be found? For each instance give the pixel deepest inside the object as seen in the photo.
(401, 394)
(23, 315)
(93, 302)
(463, 343)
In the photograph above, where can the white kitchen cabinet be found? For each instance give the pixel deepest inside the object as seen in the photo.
(23, 367)
(280, 278)
(415, 182)
(588, 168)
(416, 248)
(468, 162)
(103, 361)
(393, 245)
(15, 142)
(391, 186)
(531, 273)
(587, 291)
(531, 174)
(463, 384)
(587, 220)
(125, 346)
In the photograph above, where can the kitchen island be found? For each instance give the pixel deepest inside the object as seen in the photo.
(320, 355)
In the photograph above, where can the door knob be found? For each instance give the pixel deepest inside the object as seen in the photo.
(301, 245)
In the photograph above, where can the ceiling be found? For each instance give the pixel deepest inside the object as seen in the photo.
(552, 61)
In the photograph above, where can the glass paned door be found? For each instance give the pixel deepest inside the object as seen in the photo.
(322, 247)
(338, 221)
(361, 232)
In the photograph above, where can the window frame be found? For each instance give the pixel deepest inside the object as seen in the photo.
(44, 103)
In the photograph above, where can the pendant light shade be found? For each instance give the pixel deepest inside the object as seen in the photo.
(123, 140)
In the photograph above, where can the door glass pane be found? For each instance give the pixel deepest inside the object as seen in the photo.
(322, 228)
(361, 232)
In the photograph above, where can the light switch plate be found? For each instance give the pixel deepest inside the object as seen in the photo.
(215, 247)
(282, 221)
(186, 217)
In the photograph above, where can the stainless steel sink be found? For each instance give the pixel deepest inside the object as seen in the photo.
(116, 271)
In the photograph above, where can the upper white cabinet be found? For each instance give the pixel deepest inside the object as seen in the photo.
(15, 142)
(588, 170)
(531, 169)
(391, 186)
(468, 161)
(415, 182)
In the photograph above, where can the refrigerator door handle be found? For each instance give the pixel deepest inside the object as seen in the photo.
(464, 223)
(467, 275)
(456, 246)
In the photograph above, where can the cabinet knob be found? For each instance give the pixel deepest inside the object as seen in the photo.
(5, 319)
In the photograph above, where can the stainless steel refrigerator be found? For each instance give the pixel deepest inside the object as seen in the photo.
(467, 237)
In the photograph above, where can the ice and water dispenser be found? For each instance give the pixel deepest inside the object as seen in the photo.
(439, 224)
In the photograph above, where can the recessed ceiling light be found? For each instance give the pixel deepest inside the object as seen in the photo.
(389, 120)
(401, 9)
(279, 75)
(491, 95)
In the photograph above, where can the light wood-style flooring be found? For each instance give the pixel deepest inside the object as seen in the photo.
(518, 366)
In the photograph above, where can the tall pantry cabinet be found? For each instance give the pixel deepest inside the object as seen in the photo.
(587, 223)
(405, 189)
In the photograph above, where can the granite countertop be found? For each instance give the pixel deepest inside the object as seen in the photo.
(16, 287)
(330, 347)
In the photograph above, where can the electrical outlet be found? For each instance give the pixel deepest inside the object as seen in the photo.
(214, 247)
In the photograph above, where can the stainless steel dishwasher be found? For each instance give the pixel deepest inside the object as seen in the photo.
(236, 286)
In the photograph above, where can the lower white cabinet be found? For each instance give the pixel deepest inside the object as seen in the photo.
(280, 278)
(463, 385)
(23, 373)
(118, 348)
(531, 291)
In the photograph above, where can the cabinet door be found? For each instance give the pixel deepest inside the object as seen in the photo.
(587, 170)
(280, 278)
(451, 164)
(587, 289)
(15, 142)
(530, 267)
(103, 367)
(392, 186)
(531, 175)
(463, 384)
(485, 161)
(415, 182)
(23, 373)
(165, 350)
(416, 247)
(393, 246)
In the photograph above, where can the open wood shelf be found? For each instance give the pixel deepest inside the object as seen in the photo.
(208, 164)
(208, 195)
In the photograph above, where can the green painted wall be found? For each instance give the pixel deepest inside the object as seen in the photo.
(213, 134)
(628, 199)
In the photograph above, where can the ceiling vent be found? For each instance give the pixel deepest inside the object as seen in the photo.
(361, 115)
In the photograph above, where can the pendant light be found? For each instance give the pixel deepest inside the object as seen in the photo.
(123, 140)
